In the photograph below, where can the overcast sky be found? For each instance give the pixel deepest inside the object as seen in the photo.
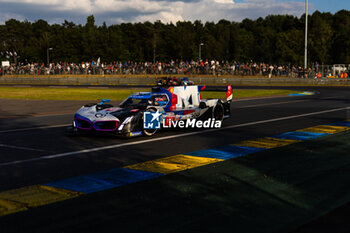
(118, 11)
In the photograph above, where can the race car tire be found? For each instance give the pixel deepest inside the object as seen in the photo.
(149, 132)
(218, 112)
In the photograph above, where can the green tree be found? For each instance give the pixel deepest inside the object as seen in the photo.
(320, 38)
(341, 45)
(288, 47)
(273, 39)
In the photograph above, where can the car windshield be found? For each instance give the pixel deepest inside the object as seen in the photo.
(133, 102)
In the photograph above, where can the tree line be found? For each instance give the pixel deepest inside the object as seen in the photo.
(275, 39)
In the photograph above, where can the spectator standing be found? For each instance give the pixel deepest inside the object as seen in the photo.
(271, 70)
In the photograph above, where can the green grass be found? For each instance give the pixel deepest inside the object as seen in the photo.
(38, 93)
(41, 93)
(246, 93)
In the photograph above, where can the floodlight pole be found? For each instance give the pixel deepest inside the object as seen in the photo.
(200, 52)
(48, 56)
(306, 25)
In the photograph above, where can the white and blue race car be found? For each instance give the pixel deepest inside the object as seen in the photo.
(172, 105)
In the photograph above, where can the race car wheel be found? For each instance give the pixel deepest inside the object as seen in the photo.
(149, 132)
(218, 112)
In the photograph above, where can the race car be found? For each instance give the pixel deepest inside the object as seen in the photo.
(173, 81)
(177, 103)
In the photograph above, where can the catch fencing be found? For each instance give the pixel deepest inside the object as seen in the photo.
(182, 68)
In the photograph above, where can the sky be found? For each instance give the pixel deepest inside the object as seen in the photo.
(120, 11)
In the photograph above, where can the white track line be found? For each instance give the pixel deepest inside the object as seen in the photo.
(277, 103)
(20, 147)
(66, 125)
(33, 128)
(166, 137)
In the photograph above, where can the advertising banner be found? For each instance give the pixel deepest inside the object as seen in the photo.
(5, 63)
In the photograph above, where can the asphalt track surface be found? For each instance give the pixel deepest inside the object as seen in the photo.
(34, 150)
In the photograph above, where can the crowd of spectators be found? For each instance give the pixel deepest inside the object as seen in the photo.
(209, 67)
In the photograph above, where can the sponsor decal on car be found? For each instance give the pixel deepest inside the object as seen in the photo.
(133, 134)
(100, 115)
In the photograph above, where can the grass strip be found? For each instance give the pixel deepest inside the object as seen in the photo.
(44, 93)
(246, 93)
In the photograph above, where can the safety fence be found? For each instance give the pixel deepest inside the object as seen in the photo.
(182, 68)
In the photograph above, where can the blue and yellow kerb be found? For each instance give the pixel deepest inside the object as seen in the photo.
(25, 198)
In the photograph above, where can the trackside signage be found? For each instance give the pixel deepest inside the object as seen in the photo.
(152, 120)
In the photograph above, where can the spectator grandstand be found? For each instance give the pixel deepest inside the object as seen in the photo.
(207, 67)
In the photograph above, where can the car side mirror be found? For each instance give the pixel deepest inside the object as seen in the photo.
(105, 101)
